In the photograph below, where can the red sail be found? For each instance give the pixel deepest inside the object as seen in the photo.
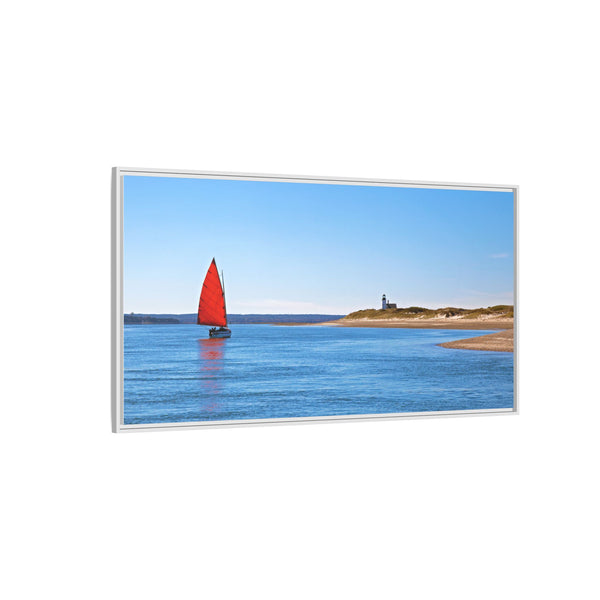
(211, 310)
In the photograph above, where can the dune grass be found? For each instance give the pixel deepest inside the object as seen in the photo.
(500, 311)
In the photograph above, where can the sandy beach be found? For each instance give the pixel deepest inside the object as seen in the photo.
(425, 323)
(502, 341)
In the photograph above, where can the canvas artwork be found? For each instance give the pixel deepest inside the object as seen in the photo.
(243, 299)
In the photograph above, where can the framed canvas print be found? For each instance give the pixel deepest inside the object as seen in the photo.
(250, 299)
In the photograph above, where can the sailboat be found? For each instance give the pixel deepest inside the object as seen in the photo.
(211, 308)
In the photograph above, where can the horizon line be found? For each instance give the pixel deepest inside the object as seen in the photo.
(318, 313)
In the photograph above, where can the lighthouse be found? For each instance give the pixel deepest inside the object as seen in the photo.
(385, 304)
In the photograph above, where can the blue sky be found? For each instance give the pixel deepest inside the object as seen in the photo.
(314, 248)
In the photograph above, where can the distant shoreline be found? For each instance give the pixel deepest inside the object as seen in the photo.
(232, 318)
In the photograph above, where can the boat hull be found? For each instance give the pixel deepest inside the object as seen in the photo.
(222, 332)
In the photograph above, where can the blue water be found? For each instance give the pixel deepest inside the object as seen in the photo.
(174, 373)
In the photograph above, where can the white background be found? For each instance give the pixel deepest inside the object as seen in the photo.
(466, 508)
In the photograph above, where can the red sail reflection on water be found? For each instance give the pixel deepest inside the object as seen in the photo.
(211, 349)
(211, 367)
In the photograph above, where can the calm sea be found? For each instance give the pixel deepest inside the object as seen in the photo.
(174, 373)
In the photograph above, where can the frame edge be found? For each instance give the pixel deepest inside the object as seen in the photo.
(115, 304)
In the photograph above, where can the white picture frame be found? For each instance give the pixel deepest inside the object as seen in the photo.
(117, 327)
